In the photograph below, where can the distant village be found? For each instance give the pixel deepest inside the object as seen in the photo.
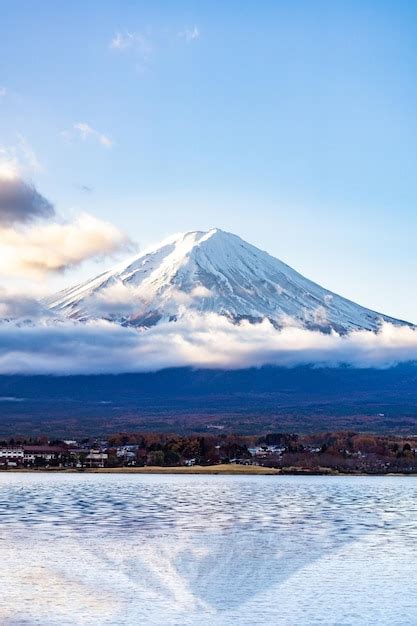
(344, 452)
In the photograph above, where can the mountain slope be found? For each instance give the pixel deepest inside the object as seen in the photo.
(211, 272)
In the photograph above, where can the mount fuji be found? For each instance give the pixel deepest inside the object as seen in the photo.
(211, 272)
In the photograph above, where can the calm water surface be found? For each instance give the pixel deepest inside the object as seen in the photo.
(222, 550)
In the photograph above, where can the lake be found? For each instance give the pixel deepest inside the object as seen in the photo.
(196, 550)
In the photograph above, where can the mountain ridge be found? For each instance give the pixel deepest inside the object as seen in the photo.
(211, 272)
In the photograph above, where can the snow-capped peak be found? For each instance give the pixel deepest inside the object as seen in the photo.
(211, 272)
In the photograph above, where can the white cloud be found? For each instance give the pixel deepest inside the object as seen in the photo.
(66, 135)
(55, 247)
(19, 158)
(137, 42)
(200, 291)
(9, 169)
(3, 92)
(316, 316)
(122, 41)
(190, 34)
(117, 299)
(201, 341)
(29, 155)
(85, 131)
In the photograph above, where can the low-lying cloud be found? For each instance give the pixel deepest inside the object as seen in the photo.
(18, 306)
(116, 300)
(119, 299)
(210, 341)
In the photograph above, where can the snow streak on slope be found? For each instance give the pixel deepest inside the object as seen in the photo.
(211, 272)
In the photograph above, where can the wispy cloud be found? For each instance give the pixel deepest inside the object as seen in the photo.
(29, 154)
(190, 34)
(20, 157)
(3, 91)
(66, 135)
(85, 131)
(140, 45)
(137, 43)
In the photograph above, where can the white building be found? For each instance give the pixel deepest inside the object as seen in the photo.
(95, 458)
(13, 454)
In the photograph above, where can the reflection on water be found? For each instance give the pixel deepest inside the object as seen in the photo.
(88, 549)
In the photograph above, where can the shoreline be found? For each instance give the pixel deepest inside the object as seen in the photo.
(196, 469)
(221, 469)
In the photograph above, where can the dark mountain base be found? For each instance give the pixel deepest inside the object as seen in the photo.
(183, 400)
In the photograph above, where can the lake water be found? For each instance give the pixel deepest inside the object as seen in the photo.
(196, 550)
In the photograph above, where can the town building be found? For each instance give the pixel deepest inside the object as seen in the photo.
(96, 458)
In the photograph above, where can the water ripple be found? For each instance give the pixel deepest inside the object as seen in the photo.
(207, 549)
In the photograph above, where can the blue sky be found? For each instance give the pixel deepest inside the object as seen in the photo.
(292, 124)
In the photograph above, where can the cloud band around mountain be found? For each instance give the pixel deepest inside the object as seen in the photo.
(208, 341)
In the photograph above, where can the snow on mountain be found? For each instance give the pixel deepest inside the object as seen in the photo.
(211, 272)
